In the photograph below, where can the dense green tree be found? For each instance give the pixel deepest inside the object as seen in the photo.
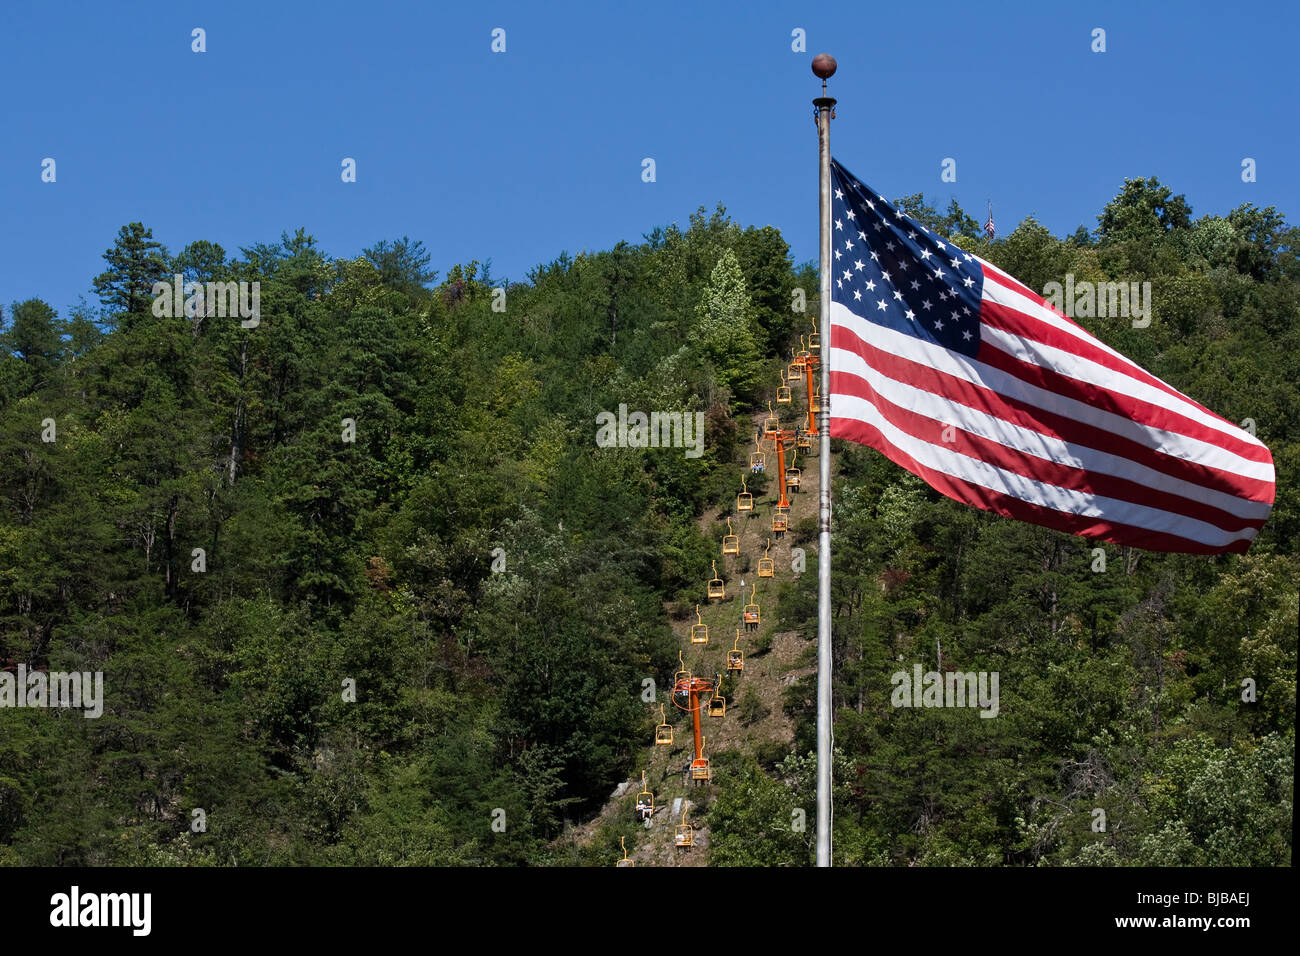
(353, 642)
(135, 263)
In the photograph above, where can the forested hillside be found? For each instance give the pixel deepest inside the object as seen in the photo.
(498, 587)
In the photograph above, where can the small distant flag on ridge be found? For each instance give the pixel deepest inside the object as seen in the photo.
(988, 226)
(965, 377)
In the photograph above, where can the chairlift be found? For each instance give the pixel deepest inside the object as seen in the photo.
(717, 705)
(793, 475)
(700, 769)
(699, 630)
(771, 424)
(645, 801)
(682, 674)
(751, 616)
(684, 833)
(744, 500)
(625, 861)
(780, 522)
(815, 340)
(757, 460)
(766, 566)
(717, 589)
(735, 656)
(783, 395)
(730, 541)
(664, 730)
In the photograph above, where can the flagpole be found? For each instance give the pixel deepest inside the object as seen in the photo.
(823, 65)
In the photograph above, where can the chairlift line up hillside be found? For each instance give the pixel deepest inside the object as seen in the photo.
(702, 696)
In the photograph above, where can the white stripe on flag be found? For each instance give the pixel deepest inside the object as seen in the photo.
(947, 411)
(981, 473)
(1068, 363)
(936, 356)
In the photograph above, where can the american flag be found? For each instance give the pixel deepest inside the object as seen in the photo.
(959, 373)
(988, 226)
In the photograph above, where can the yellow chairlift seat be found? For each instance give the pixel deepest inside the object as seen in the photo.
(803, 442)
(684, 833)
(744, 500)
(751, 615)
(797, 366)
(645, 801)
(766, 566)
(783, 396)
(771, 424)
(663, 730)
(793, 475)
(682, 674)
(625, 861)
(815, 340)
(780, 522)
(700, 769)
(717, 706)
(699, 630)
(757, 460)
(730, 541)
(717, 589)
(735, 656)
(816, 403)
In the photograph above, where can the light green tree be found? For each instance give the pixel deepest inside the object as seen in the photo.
(724, 330)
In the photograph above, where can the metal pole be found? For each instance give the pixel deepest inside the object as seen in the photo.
(824, 67)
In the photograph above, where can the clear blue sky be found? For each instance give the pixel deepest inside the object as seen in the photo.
(521, 155)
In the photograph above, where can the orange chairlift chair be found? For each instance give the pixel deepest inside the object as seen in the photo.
(796, 367)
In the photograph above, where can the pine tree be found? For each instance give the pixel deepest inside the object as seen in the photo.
(135, 263)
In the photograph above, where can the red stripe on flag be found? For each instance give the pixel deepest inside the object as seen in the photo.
(1015, 322)
(1031, 467)
(1051, 424)
(1134, 409)
(981, 497)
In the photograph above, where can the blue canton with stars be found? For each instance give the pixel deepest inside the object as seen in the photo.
(891, 270)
